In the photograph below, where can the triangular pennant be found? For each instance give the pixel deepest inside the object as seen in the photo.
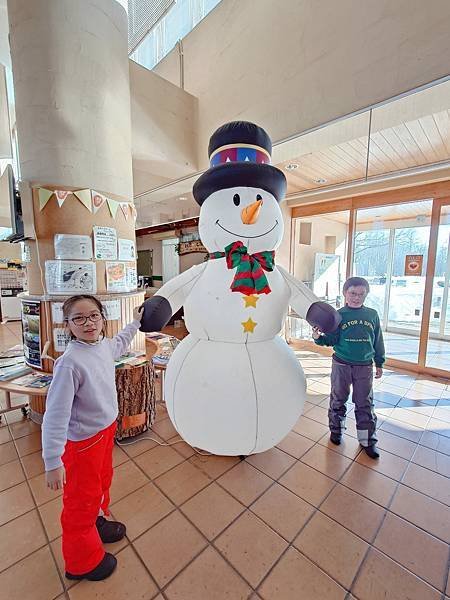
(98, 200)
(84, 196)
(44, 197)
(133, 211)
(61, 195)
(124, 207)
(113, 206)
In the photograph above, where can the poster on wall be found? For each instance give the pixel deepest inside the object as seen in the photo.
(61, 338)
(75, 247)
(105, 243)
(116, 277)
(127, 250)
(111, 309)
(67, 278)
(131, 278)
(57, 312)
(414, 264)
(31, 332)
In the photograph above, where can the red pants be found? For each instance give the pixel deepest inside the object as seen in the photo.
(89, 473)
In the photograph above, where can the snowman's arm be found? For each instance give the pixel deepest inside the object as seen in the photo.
(309, 307)
(169, 299)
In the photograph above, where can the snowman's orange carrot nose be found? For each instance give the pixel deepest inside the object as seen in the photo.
(250, 213)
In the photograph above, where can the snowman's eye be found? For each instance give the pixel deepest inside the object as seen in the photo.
(236, 199)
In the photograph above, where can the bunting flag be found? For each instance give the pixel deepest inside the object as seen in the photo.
(61, 195)
(113, 206)
(84, 196)
(125, 207)
(98, 200)
(44, 197)
(133, 211)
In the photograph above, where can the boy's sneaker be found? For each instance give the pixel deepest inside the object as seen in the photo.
(372, 451)
(110, 531)
(101, 571)
(335, 438)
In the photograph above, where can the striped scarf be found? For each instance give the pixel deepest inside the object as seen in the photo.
(249, 277)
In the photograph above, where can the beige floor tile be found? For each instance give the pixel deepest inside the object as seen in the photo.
(369, 483)
(14, 502)
(29, 443)
(51, 517)
(214, 466)
(211, 510)
(158, 460)
(244, 482)
(169, 546)
(349, 446)
(251, 547)
(7, 453)
(421, 408)
(181, 447)
(41, 492)
(273, 462)
(35, 577)
(380, 578)
(119, 456)
(333, 548)
(141, 509)
(408, 545)
(164, 429)
(285, 512)
(430, 459)
(390, 465)
(33, 464)
(354, 512)
(11, 474)
(410, 417)
(433, 440)
(427, 482)
(402, 430)
(307, 483)
(296, 577)
(395, 444)
(310, 429)
(442, 413)
(130, 580)
(438, 426)
(223, 583)
(423, 511)
(140, 444)
(182, 482)
(326, 461)
(127, 478)
(319, 414)
(24, 427)
(296, 445)
(5, 436)
(19, 538)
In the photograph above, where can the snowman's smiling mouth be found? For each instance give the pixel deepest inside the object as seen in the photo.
(245, 235)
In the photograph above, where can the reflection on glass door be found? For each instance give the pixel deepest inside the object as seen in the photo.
(438, 347)
(390, 251)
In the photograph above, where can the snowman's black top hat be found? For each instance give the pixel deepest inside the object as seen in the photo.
(240, 154)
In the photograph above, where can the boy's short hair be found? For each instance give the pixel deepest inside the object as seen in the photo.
(356, 281)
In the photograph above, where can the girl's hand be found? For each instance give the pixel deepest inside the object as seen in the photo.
(138, 312)
(55, 478)
(315, 333)
(378, 372)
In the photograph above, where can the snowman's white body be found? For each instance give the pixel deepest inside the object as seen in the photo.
(233, 386)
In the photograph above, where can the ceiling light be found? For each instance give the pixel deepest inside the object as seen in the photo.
(320, 180)
(291, 166)
(182, 198)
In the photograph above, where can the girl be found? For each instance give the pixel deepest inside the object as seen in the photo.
(78, 436)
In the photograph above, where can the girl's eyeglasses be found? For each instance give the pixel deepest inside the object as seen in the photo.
(94, 318)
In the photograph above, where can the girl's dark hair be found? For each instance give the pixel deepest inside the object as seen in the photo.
(356, 281)
(69, 303)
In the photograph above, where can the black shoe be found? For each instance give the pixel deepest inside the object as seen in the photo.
(110, 531)
(101, 571)
(335, 438)
(372, 451)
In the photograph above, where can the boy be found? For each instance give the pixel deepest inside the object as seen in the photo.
(357, 343)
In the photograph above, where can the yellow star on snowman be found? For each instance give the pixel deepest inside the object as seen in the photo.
(249, 325)
(250, 301)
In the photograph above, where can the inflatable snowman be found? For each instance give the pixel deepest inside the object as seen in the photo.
(233, 386)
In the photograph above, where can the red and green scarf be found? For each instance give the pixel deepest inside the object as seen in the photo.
(249, 277)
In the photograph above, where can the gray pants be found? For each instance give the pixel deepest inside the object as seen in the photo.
(361, 378)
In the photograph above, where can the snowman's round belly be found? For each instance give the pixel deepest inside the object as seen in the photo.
(231, 398)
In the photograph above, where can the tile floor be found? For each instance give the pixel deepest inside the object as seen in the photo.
(305, 520)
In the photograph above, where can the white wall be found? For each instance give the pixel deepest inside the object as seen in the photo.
(296, 64)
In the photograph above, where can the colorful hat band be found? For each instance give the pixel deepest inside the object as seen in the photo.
(239, 153)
